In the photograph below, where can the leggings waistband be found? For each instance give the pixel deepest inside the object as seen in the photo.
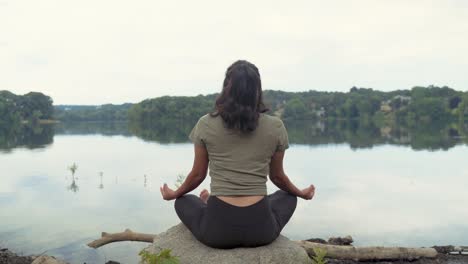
(243, 215)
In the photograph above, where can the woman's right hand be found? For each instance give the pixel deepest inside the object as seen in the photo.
(308, 193)
(167, 193)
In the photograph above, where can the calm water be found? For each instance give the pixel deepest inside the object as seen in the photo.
(382, 188)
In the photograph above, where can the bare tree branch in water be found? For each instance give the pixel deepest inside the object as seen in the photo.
(127, 235)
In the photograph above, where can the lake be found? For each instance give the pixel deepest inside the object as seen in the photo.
(383, 186)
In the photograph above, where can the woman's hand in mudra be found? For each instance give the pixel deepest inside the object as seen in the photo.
(308, 193)
(167, 193)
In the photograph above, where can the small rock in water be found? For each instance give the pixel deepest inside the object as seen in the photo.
(341, 241)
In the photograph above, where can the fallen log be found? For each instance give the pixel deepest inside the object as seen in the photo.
(369, 253)
(127, 235)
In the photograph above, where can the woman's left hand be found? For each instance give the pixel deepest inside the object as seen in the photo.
(167, 193)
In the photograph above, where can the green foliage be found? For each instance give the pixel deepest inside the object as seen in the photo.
(424, 117)
(319, 257)
(296, 109)
(418, 104)
(163, 257)
(35, 106)
(430, 109)
(427, 104)
(421, 117)
(29, 107)
(9, 114)
(19, 116)
(169, 118)
(152, 112)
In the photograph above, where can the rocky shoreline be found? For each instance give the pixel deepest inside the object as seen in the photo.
(8, 257)
(441, 259)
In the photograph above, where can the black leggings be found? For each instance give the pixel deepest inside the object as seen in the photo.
(221, 225)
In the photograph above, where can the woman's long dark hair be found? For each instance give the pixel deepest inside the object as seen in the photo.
(240, 102)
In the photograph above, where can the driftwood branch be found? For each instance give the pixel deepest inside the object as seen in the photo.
(127, 235)
(369, 253)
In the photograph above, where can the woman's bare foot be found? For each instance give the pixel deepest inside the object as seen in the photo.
(204, 195)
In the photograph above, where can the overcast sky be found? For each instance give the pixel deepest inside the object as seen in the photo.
(111, 51)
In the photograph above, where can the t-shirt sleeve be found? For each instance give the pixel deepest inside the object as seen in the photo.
(197, 135)
(283, 141)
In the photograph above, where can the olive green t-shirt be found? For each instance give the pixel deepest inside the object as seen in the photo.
(239, 162)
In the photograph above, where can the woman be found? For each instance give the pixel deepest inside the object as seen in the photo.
(241, 145)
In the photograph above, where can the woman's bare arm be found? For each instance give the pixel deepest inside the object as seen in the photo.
(194, 178)
(281, 180)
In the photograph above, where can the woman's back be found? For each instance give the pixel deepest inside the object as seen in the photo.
(239, 161)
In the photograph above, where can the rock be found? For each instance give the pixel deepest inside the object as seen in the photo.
(441, 259)
(8, 257)
(189, 250)
(444, 249)
(47, 260)
(341, 241)
(317, 240)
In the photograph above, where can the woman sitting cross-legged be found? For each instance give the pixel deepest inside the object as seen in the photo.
(241, 145)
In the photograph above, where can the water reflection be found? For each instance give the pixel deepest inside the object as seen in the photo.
(93, 128)
(101, 185)
(73, 186)
(164, 132)
(362, 134)
(31, 137)
(355, 133)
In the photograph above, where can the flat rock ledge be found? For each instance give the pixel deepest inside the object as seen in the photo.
(189, 250)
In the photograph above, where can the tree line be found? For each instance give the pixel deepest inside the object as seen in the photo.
(420, 104)
(422, 116)
(170, 109)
